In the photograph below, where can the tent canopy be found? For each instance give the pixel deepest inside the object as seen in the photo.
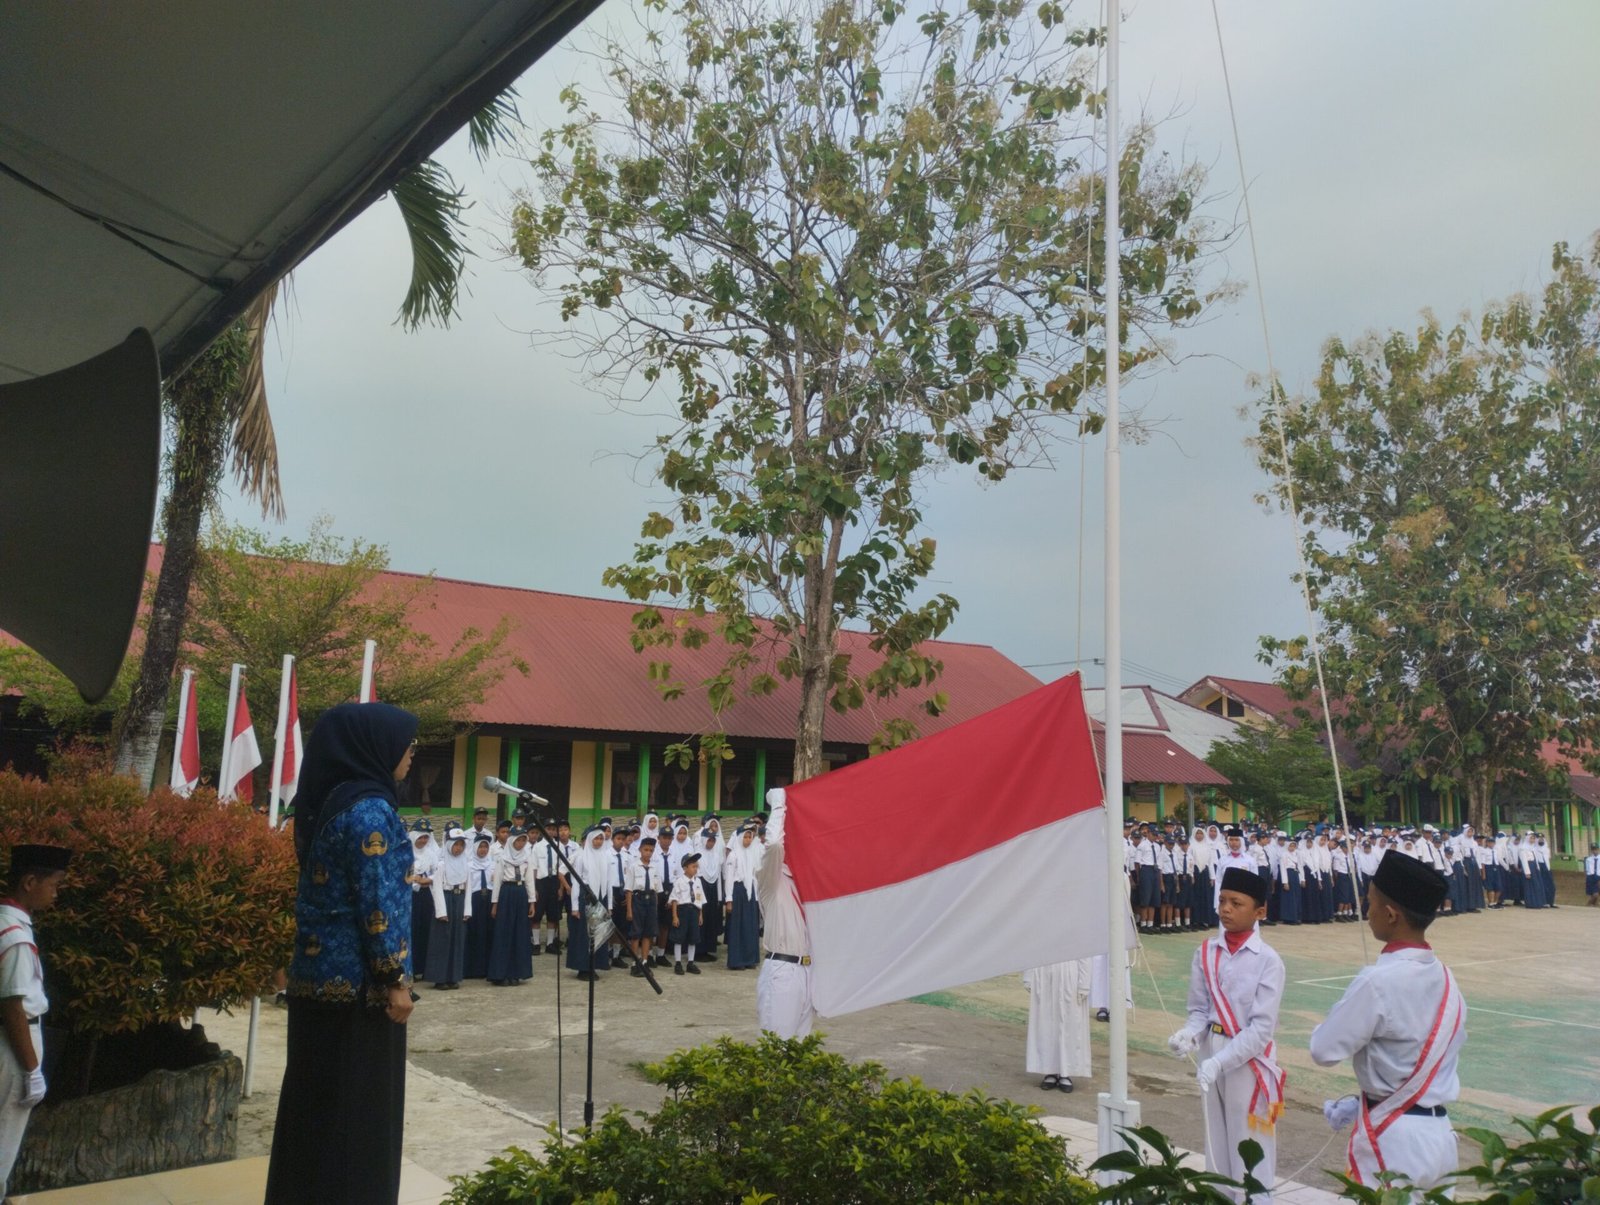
(161, 164)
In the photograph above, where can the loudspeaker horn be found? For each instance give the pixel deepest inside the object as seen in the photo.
(80, 457)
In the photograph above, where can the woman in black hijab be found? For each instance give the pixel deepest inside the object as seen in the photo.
(342, 1109)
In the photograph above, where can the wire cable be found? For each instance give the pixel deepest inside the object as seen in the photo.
(1288, 474)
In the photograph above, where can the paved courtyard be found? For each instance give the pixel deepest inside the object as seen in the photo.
(486, 1073)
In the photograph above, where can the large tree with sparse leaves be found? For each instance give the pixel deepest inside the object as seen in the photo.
(1449, 478)
(853, 244)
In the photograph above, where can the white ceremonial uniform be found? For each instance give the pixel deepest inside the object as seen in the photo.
(1100, 984)
(1402, 1024)
(1058, 1018)
(1247, 1098)
(21, 975)
(783, 988)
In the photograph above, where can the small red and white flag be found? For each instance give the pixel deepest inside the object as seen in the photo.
(186, 750)
(974, 852)
(243, 754)
(294, 745)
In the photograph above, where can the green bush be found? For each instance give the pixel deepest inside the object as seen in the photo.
(785, 1121)
(170, 905)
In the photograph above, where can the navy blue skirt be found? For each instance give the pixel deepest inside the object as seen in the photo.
(511, 945)
(421, 930)
(1289, 899)
(579, 957)
(480, 928)
(744, 930)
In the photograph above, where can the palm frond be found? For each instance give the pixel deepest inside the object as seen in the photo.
(431, 206)
(255, 445)
(497, 124)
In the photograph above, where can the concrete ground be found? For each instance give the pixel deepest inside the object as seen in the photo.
(486, 1073)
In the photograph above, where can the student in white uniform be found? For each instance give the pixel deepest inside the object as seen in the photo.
(1232, 855)
(33, 881)
(783, 988)
(1235, 990)
(1591, 875)
(1402, 1024)
(1058, 1022)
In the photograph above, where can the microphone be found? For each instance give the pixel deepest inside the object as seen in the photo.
(495, 786)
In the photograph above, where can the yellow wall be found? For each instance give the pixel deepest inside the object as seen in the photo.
(1251, 716)
(488, 763)
(581, 784)
(458, 773)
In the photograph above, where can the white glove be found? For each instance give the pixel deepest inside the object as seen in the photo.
(35, 1092)
(1183, 1043)
(1209, 1071)
(1341, 1112)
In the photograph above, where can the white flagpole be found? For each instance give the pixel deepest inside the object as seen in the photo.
(1116, 1110)
(366, 670)
(277, 741)
(225, 783)
(183, 717)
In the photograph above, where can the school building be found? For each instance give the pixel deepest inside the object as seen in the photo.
(588, 730)
(1164, 745)
(1568, 817)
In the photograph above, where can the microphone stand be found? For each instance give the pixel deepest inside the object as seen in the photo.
(547, 825)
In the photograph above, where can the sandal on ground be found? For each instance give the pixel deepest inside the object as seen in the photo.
(1049, 1082)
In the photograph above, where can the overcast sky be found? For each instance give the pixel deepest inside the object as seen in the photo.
(1402, 156)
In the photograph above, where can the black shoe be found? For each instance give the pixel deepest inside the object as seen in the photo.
(554, 947)
(677, 968)
(586, 976)
(692, 969)
(1049, 1082)
(1102, 1014)
(1065, 1085)
(637, 971)
(441, 987)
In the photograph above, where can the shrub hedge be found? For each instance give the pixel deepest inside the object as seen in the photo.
(785, 1121)
(171, 904)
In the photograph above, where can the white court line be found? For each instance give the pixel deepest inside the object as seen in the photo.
(1524, 1017)
(1454, 966)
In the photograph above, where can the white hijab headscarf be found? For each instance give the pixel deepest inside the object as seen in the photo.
(453, 867)
(480, 867)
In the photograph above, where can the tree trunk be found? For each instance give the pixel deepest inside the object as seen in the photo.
(814, 683)
(199, 404)
(1480, 790)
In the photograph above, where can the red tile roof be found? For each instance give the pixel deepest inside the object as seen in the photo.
(584, 675)
(1266, 697)
(1149, 756)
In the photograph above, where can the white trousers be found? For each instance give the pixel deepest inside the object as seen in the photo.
(13, 1113)
(783, 998)
(1424, 1148)
(1227, 1111)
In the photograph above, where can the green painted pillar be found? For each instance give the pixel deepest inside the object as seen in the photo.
(469, 787)
(643, 799)
(713, 782)
(761, 780)
(1161, 802)
(599, 775)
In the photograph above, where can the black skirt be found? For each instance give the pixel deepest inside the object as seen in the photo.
(421, 928)
(447, 948)
(341, 1114)
(511, 943)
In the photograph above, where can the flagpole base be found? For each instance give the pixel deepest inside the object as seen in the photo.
(1115, 1116)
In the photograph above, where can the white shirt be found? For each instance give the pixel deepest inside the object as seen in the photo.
(688, 889)
(1252, 983)
(783, 916)
(1382, 1022)
(1225, 861)
(1164, 862)
(1591, 864)
(644, 876)
(544, 859)
(1144, 854)
(21, 972)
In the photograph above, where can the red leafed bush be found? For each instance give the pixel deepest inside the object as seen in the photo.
(171, 904)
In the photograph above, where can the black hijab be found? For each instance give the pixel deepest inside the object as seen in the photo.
(351, 756)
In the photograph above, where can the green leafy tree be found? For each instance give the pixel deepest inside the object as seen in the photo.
(255, 598)
(1276, 770)
(1450, 483)
(855, 246)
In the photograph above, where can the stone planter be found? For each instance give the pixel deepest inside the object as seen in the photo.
(168, 1119)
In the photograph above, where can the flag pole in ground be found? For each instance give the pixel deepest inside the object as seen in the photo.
(1116, 1110)
(367, 658)
(224, 780)
(281, 736)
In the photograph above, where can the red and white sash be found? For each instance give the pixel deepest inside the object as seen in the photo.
(1266, 1102)
(1365, 1149)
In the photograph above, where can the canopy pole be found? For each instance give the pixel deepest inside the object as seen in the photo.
(1116, 1110)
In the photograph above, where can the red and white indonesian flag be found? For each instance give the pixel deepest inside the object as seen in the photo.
(294, 745)
(244, 754)
(974, 852)
(186, 752)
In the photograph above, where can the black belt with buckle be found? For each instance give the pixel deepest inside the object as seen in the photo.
(1414, 1110)
(456, 890)
(801, 959)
